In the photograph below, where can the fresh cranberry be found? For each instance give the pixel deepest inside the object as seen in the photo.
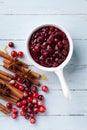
(27, 116)
(24, 102)
(31, 115)
(41, 97)
(14, 115)
(21, 88)
(29, 99)
(35, 95)
(14, 110)
(16, 85)
(29, 110)
(12, 82)
(45, 88)
(35, 110)
(34, 88)
(30, 104)
(30, 94)
(32, 120)
(9, 105)
(15, 76)
(22, 113)
(19, 104)
(19, 80)
(40, 103)
(24, 108)
(20, 54)
(34, 101)
(11, 44)
(42, 109)
(14, 54)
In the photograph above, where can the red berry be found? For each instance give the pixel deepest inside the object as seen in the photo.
(9, 105)
(19, 80)
(11, 44)
(24, 102)
(35, 95)
(21, 88)
(25, 94)
(16, 85)
(14, 115)
(15, 76)
(20, 54)
(34, 101)
(40, 103)
(22, 113)
(44, 88)
(24, 108)
(34, 88)
(27, 116)
(32, 120)
(35, 110)
(14, 110)
(42, 109)
(29, 99)
(12, 82)
(19, 104)
(41, 97)
(14, 54)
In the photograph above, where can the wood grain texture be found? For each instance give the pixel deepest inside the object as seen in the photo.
(17, 19)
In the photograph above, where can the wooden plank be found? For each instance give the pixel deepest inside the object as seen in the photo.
(76, 25)
(43, 7)
(46, 123)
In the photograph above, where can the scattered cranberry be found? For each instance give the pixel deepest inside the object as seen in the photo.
(25, 94)
(11, 44)
(15, 76)
(14, 54)
(19, 80)
(34, 88)
(27, 116)
(35, 95)
(20, 54)
(42, 109)
(24, 102)
(24, 108)
(41, 97)
(32, 120)
(40, 103)
(34, 101)
(44, 88)
(21, 88)
(19, 104)
(14, 110)
(22, 113)
(12, 82)
(29, 99)
(9, 105)
(16, 85)
(14, 115)
(35, 110)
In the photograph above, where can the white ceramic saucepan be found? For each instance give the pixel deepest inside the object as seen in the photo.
(59, 69)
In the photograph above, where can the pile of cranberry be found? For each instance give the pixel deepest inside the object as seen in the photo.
(32, 102)
(49, 46)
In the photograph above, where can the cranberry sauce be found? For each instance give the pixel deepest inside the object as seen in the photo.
(49, 46)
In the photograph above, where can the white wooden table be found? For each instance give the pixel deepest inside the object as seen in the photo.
(17, 19)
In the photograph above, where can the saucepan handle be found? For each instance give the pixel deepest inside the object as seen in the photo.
(64, 86)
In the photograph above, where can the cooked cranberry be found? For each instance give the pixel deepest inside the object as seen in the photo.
(34, 88)
(21, 88)
(14, 54)
(22, 113)
(19, 104)
(60, 44)
(44, 88)
(20, 54)
(41, 97)
(9, 105)
(42, 109)
(32, 120)
(11, 44)
(64, 52)
(14, 110)
(14, 115)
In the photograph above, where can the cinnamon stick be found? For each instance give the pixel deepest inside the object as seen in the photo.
(5, 74)
(4, 77)
(34, 81)
(4, 109)
(22, 68)
(8, 99)
(8, 57)
(17, 92)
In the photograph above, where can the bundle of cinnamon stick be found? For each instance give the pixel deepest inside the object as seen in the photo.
(20, 68)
